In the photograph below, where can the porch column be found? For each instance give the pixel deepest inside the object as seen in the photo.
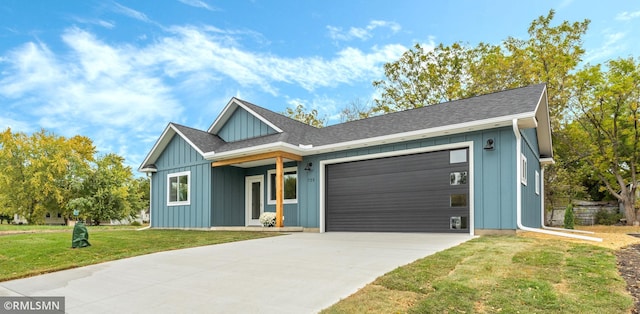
(279, 191)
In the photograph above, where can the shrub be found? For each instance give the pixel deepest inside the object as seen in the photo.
(136, 223)
(604, 217)
(569, 217)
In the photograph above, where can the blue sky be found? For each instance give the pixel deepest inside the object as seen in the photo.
(119, 71)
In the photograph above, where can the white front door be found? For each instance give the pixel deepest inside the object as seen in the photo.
(254, 196)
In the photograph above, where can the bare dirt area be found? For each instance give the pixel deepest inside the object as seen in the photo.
(625, 240)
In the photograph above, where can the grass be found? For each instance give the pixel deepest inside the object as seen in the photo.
(24, 255)
(8, 228)
(499, 274)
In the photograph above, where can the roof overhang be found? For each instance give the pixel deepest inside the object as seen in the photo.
(160, 145)
(228, 111)
(545, 144)
(527, 120)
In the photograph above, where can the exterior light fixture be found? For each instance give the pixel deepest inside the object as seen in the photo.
(489, 145)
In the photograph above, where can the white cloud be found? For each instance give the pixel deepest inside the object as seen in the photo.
(99, 22)
(122, 94)
(15, 125)
(198, 4)
(625, 16)
(97, 90)
(613, 44)
(192, 50)
(362, 33)
(119, 8)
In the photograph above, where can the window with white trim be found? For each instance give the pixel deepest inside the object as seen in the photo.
(290, 186)
(179, 188)
(523, 169)
(537, 182)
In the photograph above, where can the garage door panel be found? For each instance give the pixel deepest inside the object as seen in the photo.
(407, 193)
(419, 181)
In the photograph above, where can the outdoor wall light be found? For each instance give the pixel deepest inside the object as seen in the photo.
(308, 166)
(489, 145)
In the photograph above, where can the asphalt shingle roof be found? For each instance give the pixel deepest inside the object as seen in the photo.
(499, 104)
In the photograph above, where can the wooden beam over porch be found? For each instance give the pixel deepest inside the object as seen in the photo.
(256, 157)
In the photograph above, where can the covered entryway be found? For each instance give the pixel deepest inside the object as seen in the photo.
(424, 192)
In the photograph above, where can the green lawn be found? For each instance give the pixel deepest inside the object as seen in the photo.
(38, 228)
(499, 274)
(24, 255)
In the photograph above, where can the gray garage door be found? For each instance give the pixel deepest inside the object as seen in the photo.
(427, 192)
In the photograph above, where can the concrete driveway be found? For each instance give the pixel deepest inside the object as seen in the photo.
(296, 273)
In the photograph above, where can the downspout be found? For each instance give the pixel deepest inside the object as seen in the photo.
(542, 211)
(150, 176)
(516, 132)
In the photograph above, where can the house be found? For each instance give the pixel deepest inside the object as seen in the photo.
(466, 166)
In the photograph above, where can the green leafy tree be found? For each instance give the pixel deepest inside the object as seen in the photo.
(110, 192)
(311, 118)
(423, 77)
(604, 131)
(38, 172)
(550, 54)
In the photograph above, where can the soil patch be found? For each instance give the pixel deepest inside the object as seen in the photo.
(629, 268)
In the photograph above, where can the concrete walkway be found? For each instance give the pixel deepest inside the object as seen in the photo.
(296, 273)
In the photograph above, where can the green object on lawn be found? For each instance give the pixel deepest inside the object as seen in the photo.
(80, 236)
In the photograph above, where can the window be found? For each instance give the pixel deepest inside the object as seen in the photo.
(290, 186)
(458, 178)
(523, 170)
(178, 188)
(458, 200)
(458, 156)
(537, 182)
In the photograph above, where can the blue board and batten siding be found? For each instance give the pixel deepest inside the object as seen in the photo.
(218, 196)
(242, 125)
(494, 177)
(179, 156)
(531, 199)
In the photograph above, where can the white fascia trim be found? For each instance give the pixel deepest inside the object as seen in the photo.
(426, 133)
(162, 143)
(255, 114)
(151, 154)
(188, 141)
(223, 116)
(254, 150)
(305, 150)
(229, 109)
(547, 161)
(544, 98)
(458, 145)
(519, 224)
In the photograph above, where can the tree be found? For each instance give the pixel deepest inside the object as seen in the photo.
(604, 130)
(356, 110)
(550, 54)
(311, 118)
(38, 172)
(423, 77)
(110, 192)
